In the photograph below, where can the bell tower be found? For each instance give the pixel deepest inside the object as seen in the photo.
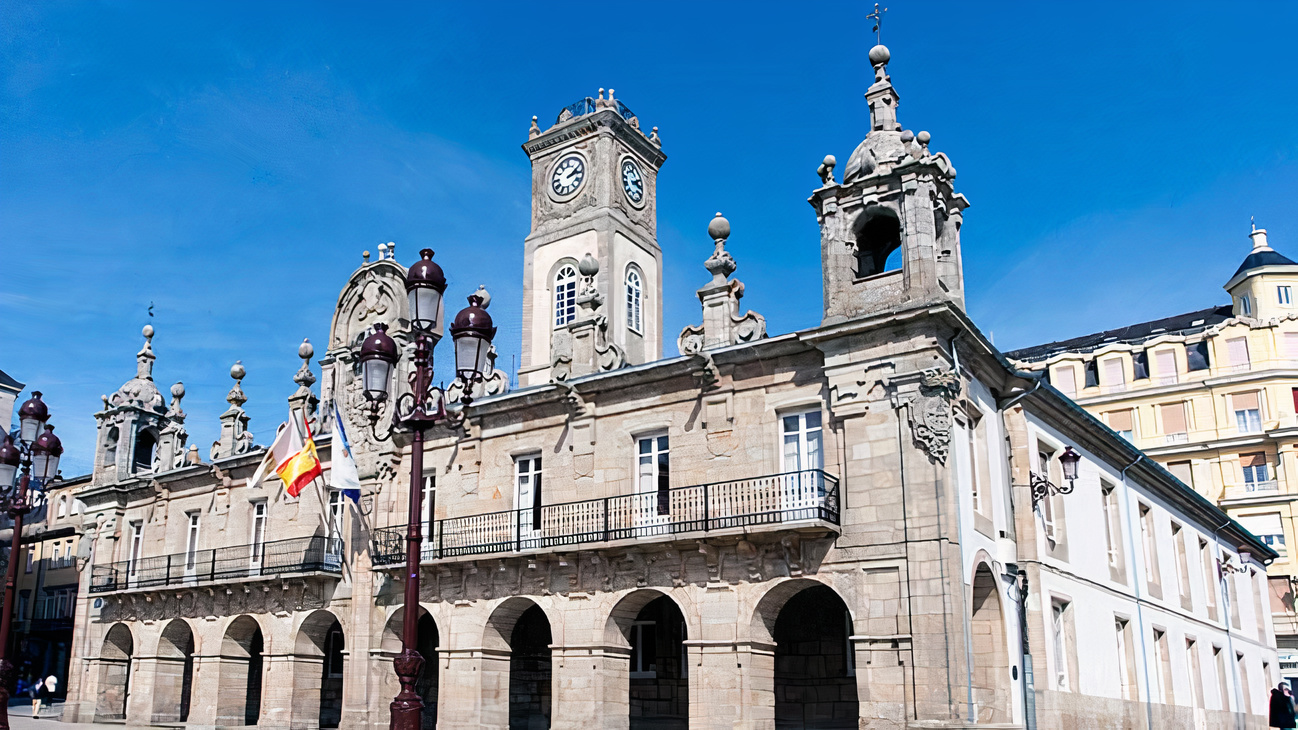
(594, 176)
(890, 232)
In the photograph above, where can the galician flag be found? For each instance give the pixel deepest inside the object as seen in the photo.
(293, 457)
(342, 469)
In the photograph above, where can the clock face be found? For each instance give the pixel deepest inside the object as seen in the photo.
(568, 176)
(632, 181)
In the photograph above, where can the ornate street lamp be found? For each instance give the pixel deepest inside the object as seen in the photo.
(37, 453)
(1042, 487)
(416, 410)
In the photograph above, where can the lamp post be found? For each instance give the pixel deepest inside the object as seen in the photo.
(34, 451)
(415, 411)
(1042, 487)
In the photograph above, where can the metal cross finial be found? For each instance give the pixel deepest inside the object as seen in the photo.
(877, 17)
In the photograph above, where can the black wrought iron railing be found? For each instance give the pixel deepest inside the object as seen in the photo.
(296, 555)
(778, 498)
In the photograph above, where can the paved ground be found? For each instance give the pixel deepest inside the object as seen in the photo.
(20, 717)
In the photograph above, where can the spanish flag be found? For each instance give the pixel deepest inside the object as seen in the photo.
(293, 457)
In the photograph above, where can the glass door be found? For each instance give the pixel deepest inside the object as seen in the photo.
(652, 502)
(803, 460)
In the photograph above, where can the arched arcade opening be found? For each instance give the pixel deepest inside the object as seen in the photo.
(427, 644)
(173, 676)
(241, 670)
(114, 673)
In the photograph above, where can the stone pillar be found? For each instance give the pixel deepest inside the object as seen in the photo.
(207, 691)
(881, 687)
(732, 684)
(278, 689)
(474, 691)
(155, 682)
(231, 681)
(591, 687)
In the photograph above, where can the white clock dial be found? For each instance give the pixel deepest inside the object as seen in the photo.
(568, 175)
(632, 181)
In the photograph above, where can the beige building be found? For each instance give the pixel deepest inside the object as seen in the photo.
(874, 522)
(1213, 396)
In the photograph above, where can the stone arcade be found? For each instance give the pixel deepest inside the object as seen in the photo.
(828, 528)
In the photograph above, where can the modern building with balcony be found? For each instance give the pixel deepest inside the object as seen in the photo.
(877, 521)
(1212, 395)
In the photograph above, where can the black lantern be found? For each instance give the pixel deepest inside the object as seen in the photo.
(45, 455)
(378, 355)
(10, 459)
(31, 416)
(472, 332)
(425, 284)
(1068, 461)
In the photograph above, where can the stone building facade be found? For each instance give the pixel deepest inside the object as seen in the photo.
(1212, 395)
(828, 528)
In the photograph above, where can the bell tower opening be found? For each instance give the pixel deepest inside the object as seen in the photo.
(878, 242)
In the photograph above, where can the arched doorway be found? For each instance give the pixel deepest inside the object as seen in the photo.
(991, 665)
(653, 627)
(173, 677)
(427, 643)
(530, 675)
(239, 698)
(318, 673)
(815, 677)
(114, 673)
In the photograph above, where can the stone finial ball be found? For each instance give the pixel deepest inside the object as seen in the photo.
(923, 137)
(719, 227)
(588, 266)
(830, 161)
(236, 371)
(879, 55)
(147, 331)
(907, 136)
(178, 390)
(305, 350)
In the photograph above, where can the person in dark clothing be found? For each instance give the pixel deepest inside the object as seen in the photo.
(1282, 707)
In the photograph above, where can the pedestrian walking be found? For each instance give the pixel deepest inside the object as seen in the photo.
(1282, 707)
(44, 694)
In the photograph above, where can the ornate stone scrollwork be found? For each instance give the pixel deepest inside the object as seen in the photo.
(929, 408)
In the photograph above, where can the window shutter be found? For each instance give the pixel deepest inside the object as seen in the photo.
(1166, 360)
(1245, 401)
(1113, 372)
(1173, 418)
(1252, 460)
(1181, 470)
(1237, 350)
(1263, 524)
(1291, 345)
(1067, 380)
(1120, 420)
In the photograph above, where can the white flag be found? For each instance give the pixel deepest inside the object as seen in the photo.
(342, 472)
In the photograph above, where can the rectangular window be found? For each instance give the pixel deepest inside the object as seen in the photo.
(1060, 618)
(1174, 422)
(336, 513)
(1126, 659)
(1267, 528)
(137, 548)
(1150, 549)
(803, 441)
(1045, 459)
(1244, 690)
(527, 493)
(1182, 564)
(1166, 362)
(1112, 531)
(1259, 613)
(57, 558)
(1123, 422)
(258, 537)
(1115, 375)
(653, 470)
(1183, 471)
(428, 505)
(1237, 353)
(1246, 305)
(1291, 345)
(644, 646)
(979, 474)
(1163, 667)
(1197, 357)
(1284, 295)
(22, 606)
(1065, 380)
(1196, 673)
(1209, 566)
(1092, 373)
(191, 543)
(1223, 680)
(31, 557)
(1257, 477)
(1232, 595)
(1248, 412)
(1140, 365)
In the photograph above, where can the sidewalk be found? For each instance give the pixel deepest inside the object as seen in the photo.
(20, 717)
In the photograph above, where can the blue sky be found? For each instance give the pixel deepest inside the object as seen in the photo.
(229, 162)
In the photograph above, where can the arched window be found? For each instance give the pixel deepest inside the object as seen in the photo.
(565, 295)
(878, 242)
(634, 297)
(146, 448)
(63, 505)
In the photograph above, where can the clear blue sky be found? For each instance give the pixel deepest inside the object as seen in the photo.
(230, 162)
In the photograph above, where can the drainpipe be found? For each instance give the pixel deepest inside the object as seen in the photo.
(1140, 614)
(1026, 685)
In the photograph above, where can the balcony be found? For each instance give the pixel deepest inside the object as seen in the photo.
(1177, 438)
(791, 498)
(316, 554)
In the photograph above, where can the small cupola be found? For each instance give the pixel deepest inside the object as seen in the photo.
(1263, 285)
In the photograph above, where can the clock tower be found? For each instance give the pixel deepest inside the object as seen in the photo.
(594, 175)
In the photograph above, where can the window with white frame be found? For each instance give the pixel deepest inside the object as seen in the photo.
(1246, 305)
(137, 548)
(1196, 673)
(979, 467)
(1267, 527)
(565, 295)
(1181, 563)
(1149, 544)
(1126, 655)
(644, 650)
(527, 492)
(1248, 411)
(57, 561)
(1257, 478)
(1059, 615)
(63, 506)
(634, 299)
(336, 513)
(1045, 464)
(803, 441)
(428, 504)
(191, 542)
(1291, 345)
(1209, 567)
(258, 537)
(1284, 295)
(653, 470)
(1115, 374)
(1065, 380)
(31, 557)
(1165, 361)
(1123, 422)
(1112, 528)
(1237, 353)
